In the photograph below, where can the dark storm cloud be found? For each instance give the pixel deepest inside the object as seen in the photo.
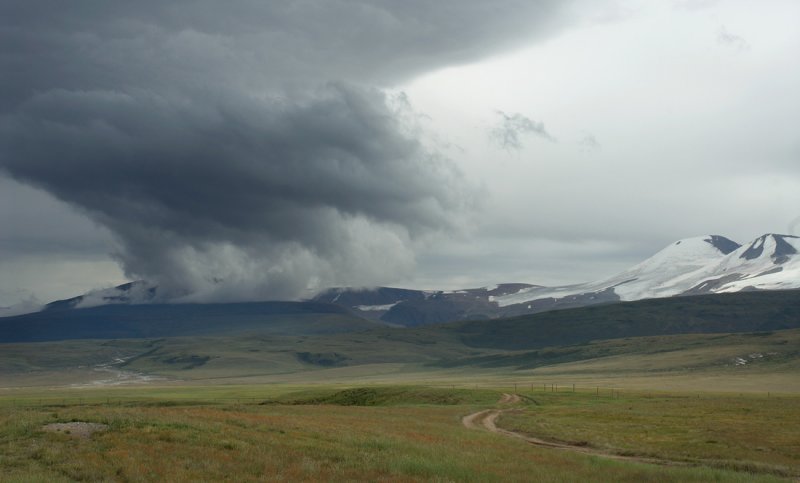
(22, 232)
(266, 177)
(180, 45)
(511, 128)
(241, 143)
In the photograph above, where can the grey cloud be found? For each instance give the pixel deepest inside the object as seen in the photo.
(589, 143)
(510, 129)
(267, 180)
(693, 4)
(794, 227)
(34, 223)
(252, 45)
(725, 37)
(237, 150)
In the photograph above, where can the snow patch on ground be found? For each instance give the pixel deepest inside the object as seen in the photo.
(367, 308)
(744, 360)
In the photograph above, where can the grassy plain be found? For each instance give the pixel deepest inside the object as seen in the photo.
(375, 433)
(747, 432)
(722, 407)
(761, 362)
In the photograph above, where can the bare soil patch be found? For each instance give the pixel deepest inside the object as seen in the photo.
(510, 399)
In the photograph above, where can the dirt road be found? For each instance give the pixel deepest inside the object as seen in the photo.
(487, 420)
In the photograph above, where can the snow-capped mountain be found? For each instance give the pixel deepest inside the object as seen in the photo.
(707, 264)
(693, 266)
(770, 262)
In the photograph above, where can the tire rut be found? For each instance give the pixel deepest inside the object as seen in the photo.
(487, 420)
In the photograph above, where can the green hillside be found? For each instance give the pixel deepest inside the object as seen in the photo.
(176, 320)
(722, 313)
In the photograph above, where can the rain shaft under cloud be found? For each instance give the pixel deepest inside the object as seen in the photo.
(244, 151)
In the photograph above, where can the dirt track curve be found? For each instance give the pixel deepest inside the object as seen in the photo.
(487, 420)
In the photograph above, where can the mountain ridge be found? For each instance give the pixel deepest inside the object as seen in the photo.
(691, 266)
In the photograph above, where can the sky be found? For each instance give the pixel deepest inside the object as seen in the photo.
(265, 149)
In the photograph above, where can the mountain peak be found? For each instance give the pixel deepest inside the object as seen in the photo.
(723, 244)
(777, 247)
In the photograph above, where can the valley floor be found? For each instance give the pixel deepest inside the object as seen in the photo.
(390, 406)
(280, 432)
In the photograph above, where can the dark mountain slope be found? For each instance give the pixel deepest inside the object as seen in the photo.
(718, 313)
(156, 320)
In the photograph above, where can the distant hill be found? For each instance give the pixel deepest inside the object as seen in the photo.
(169, 320)
(716, 313)
(412, 308)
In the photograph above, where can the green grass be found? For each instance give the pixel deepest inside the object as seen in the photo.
(409, 434)
(735, 432)
(390, 396)
(386, 404)
(222, 358)
(760, 351)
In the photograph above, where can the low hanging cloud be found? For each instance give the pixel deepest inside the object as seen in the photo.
(510, 130)
(243, 190)
(246, 150)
